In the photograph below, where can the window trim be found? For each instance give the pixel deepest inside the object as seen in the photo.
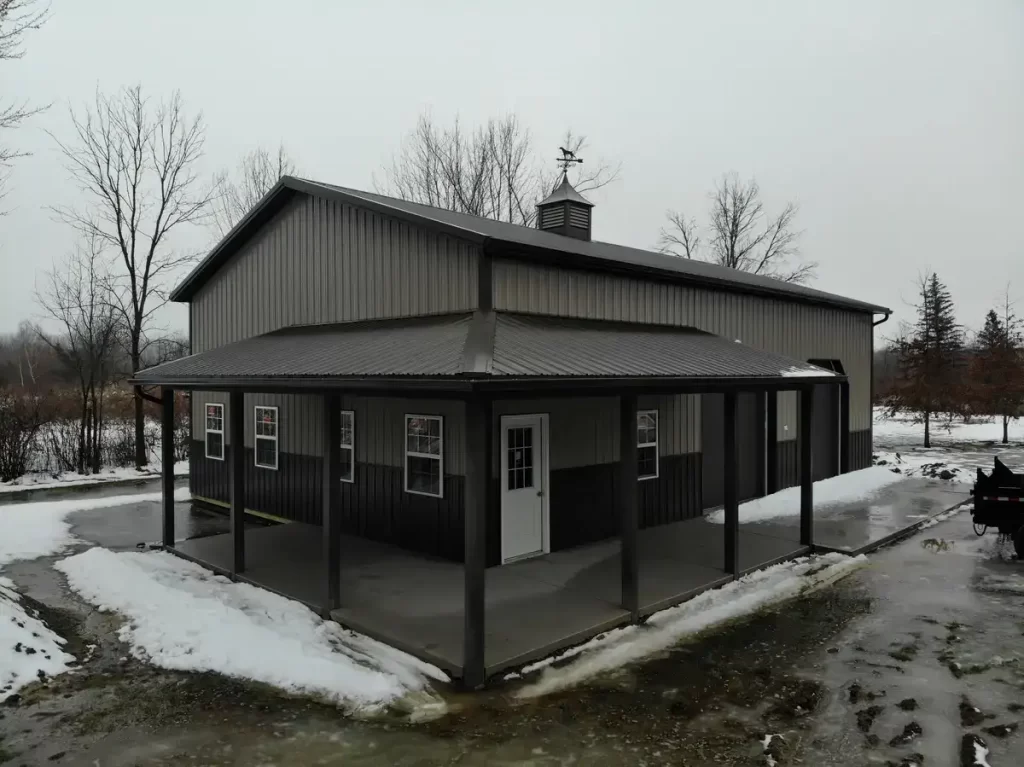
(351, 447)
(257, 437)
(439, 457)
(657, 438)
(206, 424)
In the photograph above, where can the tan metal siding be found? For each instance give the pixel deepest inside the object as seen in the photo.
(319, 262)
(801, 331)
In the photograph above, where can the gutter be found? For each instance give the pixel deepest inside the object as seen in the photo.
(876, 323)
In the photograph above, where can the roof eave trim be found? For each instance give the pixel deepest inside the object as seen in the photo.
(508, 249)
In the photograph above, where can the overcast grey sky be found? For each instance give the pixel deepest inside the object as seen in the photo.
(898, 127)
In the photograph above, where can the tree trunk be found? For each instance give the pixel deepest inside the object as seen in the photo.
(1006, 429)
(927, 429)
(96, 455)
(141, 459)
(82, 435)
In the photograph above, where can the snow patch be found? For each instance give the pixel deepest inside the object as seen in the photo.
(32, 530)
(181, 616)
(940, 518)
(29, 649)
(664, 629)
(808, 372)
(843, 488)
(74, 479)
(981, 754)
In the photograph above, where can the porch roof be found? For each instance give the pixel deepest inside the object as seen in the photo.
(478, 350)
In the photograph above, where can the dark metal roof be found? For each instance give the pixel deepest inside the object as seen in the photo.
(565, 192)
(527, 345)
(481, 347)
(515, 241)
(431, 346)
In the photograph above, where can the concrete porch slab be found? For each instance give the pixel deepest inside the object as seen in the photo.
(533, 608)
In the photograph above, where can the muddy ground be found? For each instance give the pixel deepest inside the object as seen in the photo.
(894, 665)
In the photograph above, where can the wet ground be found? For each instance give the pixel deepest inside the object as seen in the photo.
(935, 620)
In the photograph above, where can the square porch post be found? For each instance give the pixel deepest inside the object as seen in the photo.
(806, 465)
(331, 500)
(760, 418)
(236, 427)
(629, 518)
(844, 427)
(732, 506)
(167, 464)
(479, 436)
(772, 443)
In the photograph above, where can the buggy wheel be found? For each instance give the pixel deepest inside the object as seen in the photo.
(980, 530)
(1018, 542)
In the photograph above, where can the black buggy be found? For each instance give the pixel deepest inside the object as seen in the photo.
(999, 503)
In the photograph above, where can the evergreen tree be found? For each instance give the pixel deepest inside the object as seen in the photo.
(930, 358)
(997, 368)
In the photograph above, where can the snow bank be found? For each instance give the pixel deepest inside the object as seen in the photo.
(180, 616)
(31, 530)
(900, 430)
(844, 488)
(28, 648)
(74, 479)
(666, 628)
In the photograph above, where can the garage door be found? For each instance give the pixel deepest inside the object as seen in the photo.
(749, 445)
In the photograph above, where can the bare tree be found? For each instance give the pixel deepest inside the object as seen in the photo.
(76, 297)
(17, 19)
(741, 234)
(491, 171)
(256, 174)
(137, 163)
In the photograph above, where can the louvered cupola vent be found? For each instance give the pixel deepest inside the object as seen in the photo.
(565, 211)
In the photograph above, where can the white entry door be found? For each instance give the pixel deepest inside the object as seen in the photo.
(524, 479)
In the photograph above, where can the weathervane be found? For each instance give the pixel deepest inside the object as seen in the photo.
(568, 160)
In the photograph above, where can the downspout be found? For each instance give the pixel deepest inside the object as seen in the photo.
(871, 404)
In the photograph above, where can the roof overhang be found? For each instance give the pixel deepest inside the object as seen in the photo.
(487, 352)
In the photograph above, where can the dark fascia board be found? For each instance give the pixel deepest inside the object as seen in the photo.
(494, 386)
(520, 252)
(272, 202)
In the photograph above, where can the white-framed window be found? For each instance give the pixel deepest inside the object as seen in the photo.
(215, 430)
(646, 444)
(348, 446)
(265, 436)
(424, 455)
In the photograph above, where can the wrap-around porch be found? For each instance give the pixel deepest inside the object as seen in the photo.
(475, 621)
(469, 618)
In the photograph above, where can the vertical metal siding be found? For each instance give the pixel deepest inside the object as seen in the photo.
(801, 331)
(320, 262)
(584, 431)
(380, 425)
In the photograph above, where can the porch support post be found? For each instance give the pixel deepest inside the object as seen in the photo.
(806, 464)
(330, 499)
(844, 427)
(629, 517)
(167, 464)
(236, 428)
(478, 469)
(772, 443)
(760, 415)
(732, 506)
